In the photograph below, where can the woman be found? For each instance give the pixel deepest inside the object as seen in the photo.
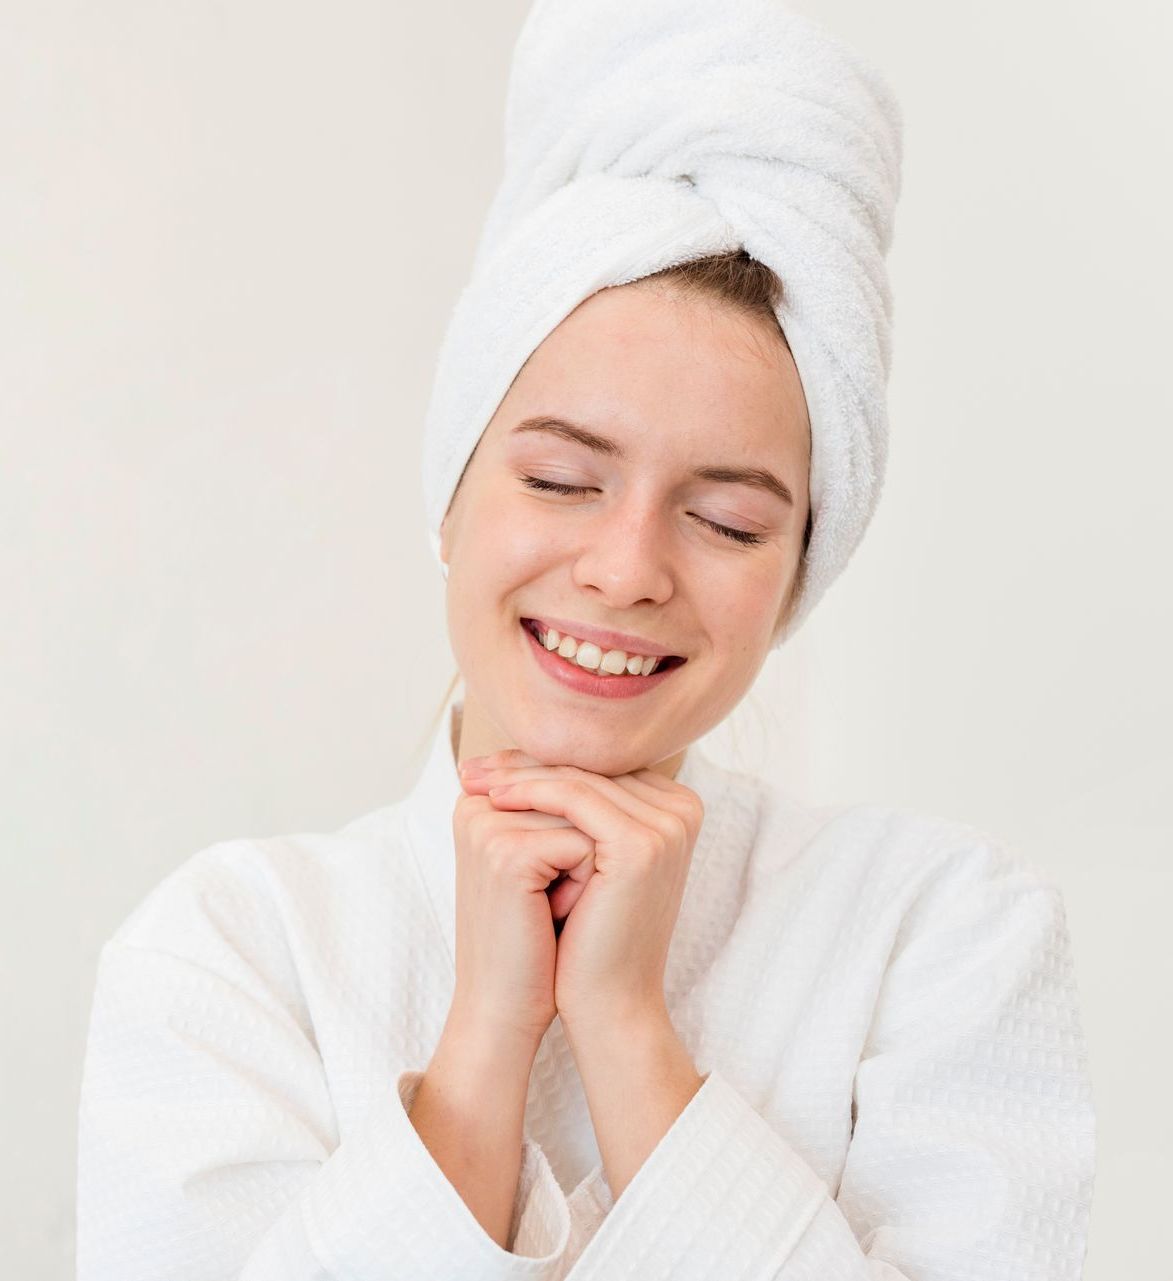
(585, 1003)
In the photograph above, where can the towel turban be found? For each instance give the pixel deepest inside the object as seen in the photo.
(644, 133)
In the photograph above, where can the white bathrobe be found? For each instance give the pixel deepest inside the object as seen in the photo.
(881, 1003)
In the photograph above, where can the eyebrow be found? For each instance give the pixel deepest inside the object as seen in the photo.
(756, 476)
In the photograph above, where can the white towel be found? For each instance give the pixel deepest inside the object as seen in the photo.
(641, 133)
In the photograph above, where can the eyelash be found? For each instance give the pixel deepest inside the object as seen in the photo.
(736, 535)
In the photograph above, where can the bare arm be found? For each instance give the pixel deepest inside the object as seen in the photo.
(638, 1078)
(469, 1112)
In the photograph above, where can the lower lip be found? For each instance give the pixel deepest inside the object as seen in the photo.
(583, 681)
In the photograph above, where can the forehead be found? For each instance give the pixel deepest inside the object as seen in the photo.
(644, 363)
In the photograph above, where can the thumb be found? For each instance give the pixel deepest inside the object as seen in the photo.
(564, 894)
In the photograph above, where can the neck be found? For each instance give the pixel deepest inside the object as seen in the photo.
(472, 734)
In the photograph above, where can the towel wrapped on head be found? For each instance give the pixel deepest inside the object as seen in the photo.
(640, 135)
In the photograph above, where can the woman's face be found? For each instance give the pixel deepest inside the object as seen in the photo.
(676, 385)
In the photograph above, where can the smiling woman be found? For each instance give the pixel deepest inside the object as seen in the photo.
(585, 1003)
(646, 472)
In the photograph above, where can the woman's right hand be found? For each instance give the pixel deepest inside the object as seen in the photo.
(505, 940)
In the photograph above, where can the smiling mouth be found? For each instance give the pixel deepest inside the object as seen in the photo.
(662, 664)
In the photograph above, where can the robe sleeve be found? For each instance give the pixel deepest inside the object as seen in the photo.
(208, 1147)
(972, 1150)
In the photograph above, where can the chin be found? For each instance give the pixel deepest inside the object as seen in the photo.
(601, 756)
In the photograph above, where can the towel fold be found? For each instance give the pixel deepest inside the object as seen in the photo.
(643, 134)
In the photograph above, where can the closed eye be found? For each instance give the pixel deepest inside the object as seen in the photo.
(737, 535)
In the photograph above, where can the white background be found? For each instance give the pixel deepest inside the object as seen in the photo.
(231, 237)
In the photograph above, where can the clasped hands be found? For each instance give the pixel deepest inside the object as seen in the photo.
(613, 946)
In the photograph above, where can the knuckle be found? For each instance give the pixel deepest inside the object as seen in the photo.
(476, 822)
(493, 846)
(467, 805)
(678, 829)
(649, 850)
(460, 820)
(471, 822)
(691, 809)
(499, 851)
(696, 809)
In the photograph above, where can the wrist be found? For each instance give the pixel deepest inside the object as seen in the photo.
(619, 1030)
(486, 1044)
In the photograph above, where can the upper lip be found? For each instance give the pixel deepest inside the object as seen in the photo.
(605, 638)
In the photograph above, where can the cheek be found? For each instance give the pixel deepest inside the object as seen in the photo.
(742, 616)
(521, 547)
(506, 543)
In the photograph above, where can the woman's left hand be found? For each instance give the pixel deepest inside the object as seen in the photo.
(613, 947)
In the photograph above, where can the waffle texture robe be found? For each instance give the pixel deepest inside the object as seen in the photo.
(881, 1003)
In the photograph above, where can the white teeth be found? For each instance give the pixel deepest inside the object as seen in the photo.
(613, 662)
(588, 654)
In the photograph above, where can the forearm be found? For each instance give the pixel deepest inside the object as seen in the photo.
(638, 1077)
(469, 1112)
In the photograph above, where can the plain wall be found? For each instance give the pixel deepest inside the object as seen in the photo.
(231, 239)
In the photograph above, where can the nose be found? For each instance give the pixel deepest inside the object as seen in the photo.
(625, 554)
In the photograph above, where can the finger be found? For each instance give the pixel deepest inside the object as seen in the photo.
(650, 805)
(507, 771)
(647, 805)
(636, 794)
(663, 792)
(563, 897)
(504, 756)
(656, 779)
(644, 783)
(481, 779)
(564, 851)
(523, 819)
(595, 805)
(633, 800)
